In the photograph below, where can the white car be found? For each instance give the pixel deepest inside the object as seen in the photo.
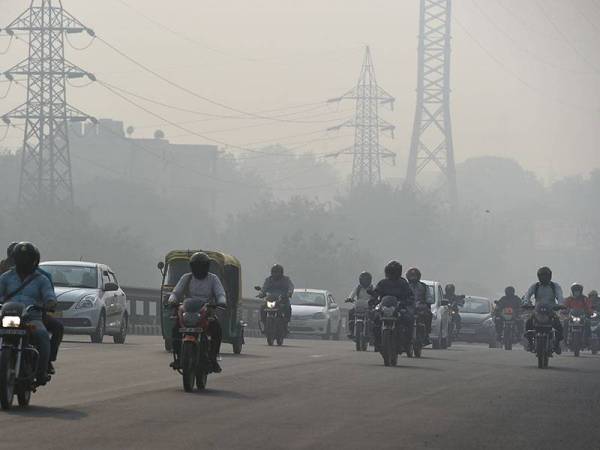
(90, 300)
(314, 311)
(440, 324)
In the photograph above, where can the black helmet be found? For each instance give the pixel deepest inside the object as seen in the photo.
(544, 275)
(200, 264)
(413, 274)
(576, 289)
(365, 279)
(509, 291)
(450, 289)
(10, 249)
(277, 270)
(393, 270)
(593, 294)
(26, 257)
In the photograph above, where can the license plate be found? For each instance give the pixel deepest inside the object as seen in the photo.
(190, 330)
(8, 331)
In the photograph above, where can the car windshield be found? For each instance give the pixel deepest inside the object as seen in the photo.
(475, 306)
(73, 276)
(308, 299)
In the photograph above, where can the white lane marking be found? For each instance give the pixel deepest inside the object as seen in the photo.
(316, 356)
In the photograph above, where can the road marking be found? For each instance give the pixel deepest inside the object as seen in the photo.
(316, 356)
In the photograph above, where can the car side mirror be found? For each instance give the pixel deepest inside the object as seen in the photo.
(257, 288)
(496, 302)
(444, 303)
(333, 306)
(111, 287)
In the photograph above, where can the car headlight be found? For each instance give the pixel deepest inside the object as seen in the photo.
(271, 304)
(87, 302)
(319, 315)
(11, 322)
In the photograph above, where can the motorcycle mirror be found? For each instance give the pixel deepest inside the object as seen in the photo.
(496, 302)
(257, 288)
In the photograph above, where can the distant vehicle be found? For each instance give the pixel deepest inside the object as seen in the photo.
(440, 324)
(314, 311)
(477, 321)
(90, 300)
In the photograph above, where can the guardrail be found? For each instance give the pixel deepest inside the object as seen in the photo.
(144, 315)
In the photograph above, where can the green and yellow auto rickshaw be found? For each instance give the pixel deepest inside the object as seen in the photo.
(229, 271)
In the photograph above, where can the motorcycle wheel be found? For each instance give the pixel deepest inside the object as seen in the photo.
(508, 338)
(388, 349)
(417, 348)
(24, 397)
(359, 337)
(269, 331)
(188, 365)
(576, 344)
(201, 379)
(7, 379)
(280, 332)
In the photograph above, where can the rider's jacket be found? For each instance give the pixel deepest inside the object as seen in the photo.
(204, 289)
(455, 300)
(580, 303)
(421, 292)
(550, 294)
(512, 301)
(278, 286)
(39, 291)
(396, 288)
(360, 297)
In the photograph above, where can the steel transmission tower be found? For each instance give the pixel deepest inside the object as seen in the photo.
(46, 163)
(431, 144)
(366, 151)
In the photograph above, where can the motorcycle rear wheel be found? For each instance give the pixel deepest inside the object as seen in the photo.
(388, 349)
(24, 397)
(201, 379)
(188, 365)
(508, 338)
(7, 379)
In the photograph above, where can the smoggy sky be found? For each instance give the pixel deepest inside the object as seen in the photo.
(525, 73)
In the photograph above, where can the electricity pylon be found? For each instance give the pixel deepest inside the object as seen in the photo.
(46, 162)
(431, 144)
(366, 151)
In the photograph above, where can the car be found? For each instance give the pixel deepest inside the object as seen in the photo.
(476, 319)
(314, 311)
(440, 324)
(90, 300)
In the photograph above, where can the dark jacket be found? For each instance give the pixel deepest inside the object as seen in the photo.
(396, 288)
(513, 302)
(282, 286)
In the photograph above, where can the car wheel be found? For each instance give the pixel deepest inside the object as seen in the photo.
(120, 338)
(98, 335)
(327, 334)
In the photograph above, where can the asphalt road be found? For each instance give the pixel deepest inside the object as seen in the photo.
(311, 394)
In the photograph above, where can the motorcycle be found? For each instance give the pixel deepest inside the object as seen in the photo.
(575, 335)
(362, 327)
(455, 321)
(275, 322)
(543, 333)
(510, 327)
(419, 329)
(595, 332)
(18, 357)
(387, 313)
(193, 317)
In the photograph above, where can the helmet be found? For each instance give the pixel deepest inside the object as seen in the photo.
(10, 249)
(593, 294)
(576, 289)
(277, 270)
(413, 274)
(509, 291)
(450, 289)
(393, 270)
(544, 275)
(26, 257)
(200, 264)
(365, 279)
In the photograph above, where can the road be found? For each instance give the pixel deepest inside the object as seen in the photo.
(308, 395)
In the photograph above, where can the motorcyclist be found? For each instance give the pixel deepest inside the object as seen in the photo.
(203, 286)
(281, 286)
(508, 300)
(454, 303)
(53, 325)
(423, 296)
(360, 298)
(594, 300)
(393, 285)
(24, 284)
(548, 292)
(579, 302)
(8, 263)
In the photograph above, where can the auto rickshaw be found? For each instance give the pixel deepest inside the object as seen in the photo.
(229, 271)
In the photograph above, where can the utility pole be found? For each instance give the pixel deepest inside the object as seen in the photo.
(431, 145)
(367, 152)
(46, 163)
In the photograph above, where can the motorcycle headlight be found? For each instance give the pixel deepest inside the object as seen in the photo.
(271, 305)
(594, 316)
(11, 322)
(576, 319)
(319, 315)
(87, 302)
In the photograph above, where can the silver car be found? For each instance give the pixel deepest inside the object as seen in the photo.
(90, 300)
(314, 311)
(441, 318)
